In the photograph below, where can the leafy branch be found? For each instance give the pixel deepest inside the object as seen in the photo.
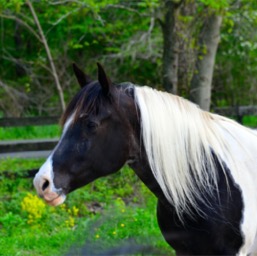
(48, 52)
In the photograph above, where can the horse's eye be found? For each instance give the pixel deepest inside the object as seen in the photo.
(91, 126)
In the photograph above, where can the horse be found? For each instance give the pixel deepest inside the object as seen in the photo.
(201, 166)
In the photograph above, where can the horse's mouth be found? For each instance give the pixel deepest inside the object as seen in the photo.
(59, 199)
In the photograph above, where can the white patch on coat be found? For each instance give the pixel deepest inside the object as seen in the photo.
(176, 131)
(242, 143)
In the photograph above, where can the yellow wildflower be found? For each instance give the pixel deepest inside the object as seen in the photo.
(33, 206)
(75, 211)
(63, 206)
(70, 222)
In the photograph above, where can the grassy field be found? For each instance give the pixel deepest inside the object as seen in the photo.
(29, 132)
(113, 212)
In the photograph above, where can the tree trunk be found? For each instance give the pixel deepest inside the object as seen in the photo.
(20, 71)
(200, 91)
(49, 55)
(171, 46)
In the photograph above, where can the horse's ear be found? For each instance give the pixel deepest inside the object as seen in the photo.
(82, 78)
(103, 79)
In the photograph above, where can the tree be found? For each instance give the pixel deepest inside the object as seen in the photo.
(235, 81)
(170, 59)
(81, 31)
(201, 83)
(49, 55)
(126, 38)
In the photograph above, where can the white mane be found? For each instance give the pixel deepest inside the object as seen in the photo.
(179, 139)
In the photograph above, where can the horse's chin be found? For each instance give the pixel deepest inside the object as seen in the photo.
(56, 201)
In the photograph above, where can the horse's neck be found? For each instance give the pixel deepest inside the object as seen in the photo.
(137, 158)
(142, 169)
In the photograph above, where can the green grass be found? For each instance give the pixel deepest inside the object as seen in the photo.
(29, 132)
(126, 211)
(250, 121)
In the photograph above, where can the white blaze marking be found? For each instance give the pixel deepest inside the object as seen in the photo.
(46, 173)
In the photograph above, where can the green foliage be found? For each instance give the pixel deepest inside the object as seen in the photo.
(127, 40)
(87, 31)
(236, 67)
(14, 5)
(216, 5)
(250, 121)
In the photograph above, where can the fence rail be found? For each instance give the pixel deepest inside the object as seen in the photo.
(238, 111)
(25, 121)
(47, 144)
(27, 145)
(33, 145)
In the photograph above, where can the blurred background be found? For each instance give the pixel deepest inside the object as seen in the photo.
(180, 46)
(202, 50)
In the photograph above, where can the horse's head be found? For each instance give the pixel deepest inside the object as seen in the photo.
(96, 139)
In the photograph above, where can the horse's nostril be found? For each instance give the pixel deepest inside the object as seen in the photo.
(45, 185)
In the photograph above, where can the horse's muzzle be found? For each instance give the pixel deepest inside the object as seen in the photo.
(46, 190)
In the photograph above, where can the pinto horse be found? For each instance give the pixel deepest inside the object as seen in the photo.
(202, 167)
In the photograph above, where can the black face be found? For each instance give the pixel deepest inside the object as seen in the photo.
(94, 146)
(97, 142)
(98, 138)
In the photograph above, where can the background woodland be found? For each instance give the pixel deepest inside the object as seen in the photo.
(203, 50)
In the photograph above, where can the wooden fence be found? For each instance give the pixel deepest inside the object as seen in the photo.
(24, 121)
(238, 112)
(27, 145)
(48, 144)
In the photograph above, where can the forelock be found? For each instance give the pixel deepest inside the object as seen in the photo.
(86, 101)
